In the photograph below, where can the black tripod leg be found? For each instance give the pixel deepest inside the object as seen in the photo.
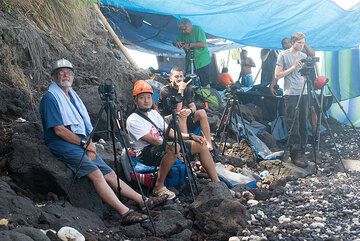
(228, 125)
(178, 138)
(82, 157)
(223, 122)
(112, 122)
(320, 120)
(121, 133)
(332, 138)
(311, 96)
(186, 155)
(245, 130)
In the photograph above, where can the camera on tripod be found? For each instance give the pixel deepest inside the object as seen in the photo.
(233, 90)
(170, 102)
(308, 65)
(107, 90)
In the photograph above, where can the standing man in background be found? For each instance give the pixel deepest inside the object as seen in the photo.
(268, 58)
(287, 66)
(246, 64)
(193, 39)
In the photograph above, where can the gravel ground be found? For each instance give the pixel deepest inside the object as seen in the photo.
(313, 208)
(325, 206)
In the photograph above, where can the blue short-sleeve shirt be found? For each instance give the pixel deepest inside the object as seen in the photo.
(70, 153)
(51, 117)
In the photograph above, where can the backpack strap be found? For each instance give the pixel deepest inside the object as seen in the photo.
(141, 114)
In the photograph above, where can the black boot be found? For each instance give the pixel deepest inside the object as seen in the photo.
(297, 157)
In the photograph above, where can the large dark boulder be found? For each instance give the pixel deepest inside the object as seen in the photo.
(171, 222)
(17, 209)
(35, 168)
(23, 234)
(21, 211)
(56, 215)
(217, 214)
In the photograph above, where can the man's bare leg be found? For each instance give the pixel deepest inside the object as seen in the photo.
(183, 125)
(125, 190)
(206, 160)
(106, 193)
(200, 115)
(166, 163)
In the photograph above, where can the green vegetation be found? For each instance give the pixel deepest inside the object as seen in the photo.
(67, 17)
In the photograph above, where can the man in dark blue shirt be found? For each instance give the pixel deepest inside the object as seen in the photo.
(67, 126)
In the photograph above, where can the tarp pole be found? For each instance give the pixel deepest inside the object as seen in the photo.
(115, 37)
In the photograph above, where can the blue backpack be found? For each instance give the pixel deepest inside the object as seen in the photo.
(147, 174)
(177, 175)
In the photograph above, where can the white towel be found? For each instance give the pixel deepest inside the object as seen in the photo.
(79, 122)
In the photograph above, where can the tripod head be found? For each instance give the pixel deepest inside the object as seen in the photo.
(232, 91)
(190, 55)
(171, 101)
(308, 66)
(107, 91)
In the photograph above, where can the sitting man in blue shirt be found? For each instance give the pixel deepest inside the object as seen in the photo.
(67, 126)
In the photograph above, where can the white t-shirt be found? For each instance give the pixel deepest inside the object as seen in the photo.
(138, 127)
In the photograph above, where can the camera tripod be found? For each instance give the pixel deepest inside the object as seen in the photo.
(190, 64)
(178, 138)
(311, 95)
(230, 113)
(114, 123)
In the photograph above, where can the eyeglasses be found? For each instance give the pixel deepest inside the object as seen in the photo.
(63, 72)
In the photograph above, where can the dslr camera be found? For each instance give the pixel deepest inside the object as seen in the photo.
(167, 105)
(171, 101)
(107, 90)
(308, 65)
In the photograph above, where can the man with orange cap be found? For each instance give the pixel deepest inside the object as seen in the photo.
(147, 127)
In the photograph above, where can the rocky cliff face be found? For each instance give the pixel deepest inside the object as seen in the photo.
(31, 39)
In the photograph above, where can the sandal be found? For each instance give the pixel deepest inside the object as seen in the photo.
(164, 191)
(133, 217)
(154, 201)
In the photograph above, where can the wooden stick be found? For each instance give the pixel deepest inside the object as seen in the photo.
(115, 37)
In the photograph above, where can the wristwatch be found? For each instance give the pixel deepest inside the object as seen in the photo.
(190, 136)
(83, 141)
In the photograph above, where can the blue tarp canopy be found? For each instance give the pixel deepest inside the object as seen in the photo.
(260, 23)
(154, 33)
